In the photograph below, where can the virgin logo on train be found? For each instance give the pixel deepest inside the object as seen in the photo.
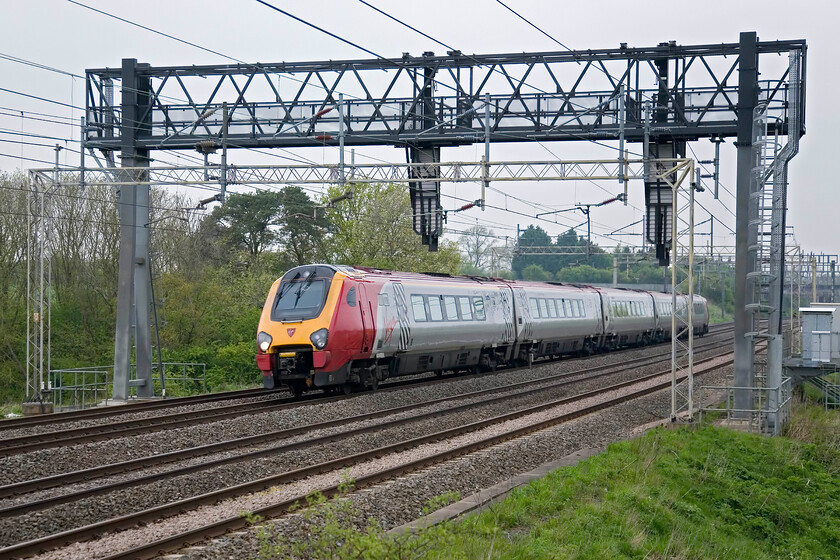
(290, 332)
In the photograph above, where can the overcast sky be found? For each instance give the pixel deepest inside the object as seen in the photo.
(71, 38)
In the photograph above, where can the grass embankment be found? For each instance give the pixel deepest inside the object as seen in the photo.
(684, 494)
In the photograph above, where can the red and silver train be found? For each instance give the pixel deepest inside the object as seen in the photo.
(331, 326)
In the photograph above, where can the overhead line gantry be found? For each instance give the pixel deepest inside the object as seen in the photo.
(661, 96)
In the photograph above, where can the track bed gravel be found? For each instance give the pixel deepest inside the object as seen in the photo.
(396, 502)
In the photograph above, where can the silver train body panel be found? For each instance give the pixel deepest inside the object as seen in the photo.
(431, 323)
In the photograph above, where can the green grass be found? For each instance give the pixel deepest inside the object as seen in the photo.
(677, 494)
(716, 314)
(9, 408)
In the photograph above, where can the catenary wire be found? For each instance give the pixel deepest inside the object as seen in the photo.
(215, 52)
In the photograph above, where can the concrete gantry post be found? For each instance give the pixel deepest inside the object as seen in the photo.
(747, 99)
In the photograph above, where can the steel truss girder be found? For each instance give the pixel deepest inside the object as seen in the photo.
(387, 101)
(409, 173)
(38, 290)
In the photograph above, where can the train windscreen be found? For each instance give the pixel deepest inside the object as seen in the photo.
(300, 299)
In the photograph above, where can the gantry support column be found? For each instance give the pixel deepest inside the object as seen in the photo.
(744, 258)
(133, 208)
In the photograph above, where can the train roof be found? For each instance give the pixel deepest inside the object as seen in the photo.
(400, 275)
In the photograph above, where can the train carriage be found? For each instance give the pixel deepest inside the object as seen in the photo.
(663, 307)
(444, 323)
(628, 316)
(331, 326)
(556, 319)
(700, 315)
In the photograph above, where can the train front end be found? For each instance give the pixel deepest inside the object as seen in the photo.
(294, 338)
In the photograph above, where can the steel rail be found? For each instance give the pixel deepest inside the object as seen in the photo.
(544, 384)
(169, 402)
(163, 458)
(57, 540)
(90, 434)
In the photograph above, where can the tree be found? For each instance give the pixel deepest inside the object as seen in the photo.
(476, 244)
(246, 220)
(374, 228)
(573, 243)
(534, 236)
(535, 272)
(302, 227)
(585, 274)
(13, 233)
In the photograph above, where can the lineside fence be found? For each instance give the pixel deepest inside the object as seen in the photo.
(79, 388)
(769, 414)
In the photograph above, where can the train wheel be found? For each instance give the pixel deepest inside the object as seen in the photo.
(347, 388)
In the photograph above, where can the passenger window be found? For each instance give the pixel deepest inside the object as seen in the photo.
(478, 304)
(552, 310)
(383, 300)
(568, 305)
(418, 305)
(580, 308)
(351, 297)
(466, 309)
(535, 308)
(560, 311)
(451, 308)
(435, 310)
(543, 308)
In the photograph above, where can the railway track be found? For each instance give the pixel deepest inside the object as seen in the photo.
(523, 388)
(8, 424)
(99, 413)
(74, 436)
(191, 503)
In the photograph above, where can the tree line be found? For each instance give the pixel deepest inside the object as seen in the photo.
(211, 270)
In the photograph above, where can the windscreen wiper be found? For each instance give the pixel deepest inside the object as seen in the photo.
(286, 286)
(303, 286)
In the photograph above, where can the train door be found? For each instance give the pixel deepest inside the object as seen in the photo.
(368, 327)
(606, 313)
(524, 325)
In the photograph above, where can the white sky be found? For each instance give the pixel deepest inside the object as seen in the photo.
(68, 37)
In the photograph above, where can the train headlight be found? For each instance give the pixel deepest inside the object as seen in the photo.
(263, 341)
(319, 338)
